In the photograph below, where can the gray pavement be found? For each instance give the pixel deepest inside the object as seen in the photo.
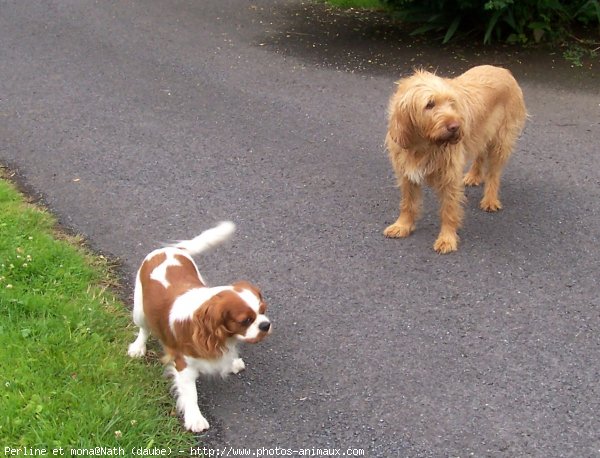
(143, 122)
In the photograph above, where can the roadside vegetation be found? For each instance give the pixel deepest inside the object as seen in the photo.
(65, 378)
(572, 24)
(362, 4)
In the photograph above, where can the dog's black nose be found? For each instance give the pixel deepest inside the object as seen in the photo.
(264, 326)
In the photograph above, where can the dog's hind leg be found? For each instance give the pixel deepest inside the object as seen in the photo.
(498, 156)
(474, 176)
(410, 207)
(137, 349)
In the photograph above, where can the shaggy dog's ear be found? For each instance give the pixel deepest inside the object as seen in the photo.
(401, 126)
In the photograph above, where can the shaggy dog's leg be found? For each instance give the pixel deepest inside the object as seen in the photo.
(496, 161)
(451, 195)
(474, 176)
(410, 207)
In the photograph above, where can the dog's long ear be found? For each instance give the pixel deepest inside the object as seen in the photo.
(209, 333)
(400, 126)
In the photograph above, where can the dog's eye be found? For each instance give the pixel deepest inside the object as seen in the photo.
(246, 322)
(430, 105)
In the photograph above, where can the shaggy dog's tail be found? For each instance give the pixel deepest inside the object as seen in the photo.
(208, 239)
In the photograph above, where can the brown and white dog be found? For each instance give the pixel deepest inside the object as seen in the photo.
(198, 326)
(435, 124)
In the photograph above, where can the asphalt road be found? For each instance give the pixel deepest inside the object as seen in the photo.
(141, 122)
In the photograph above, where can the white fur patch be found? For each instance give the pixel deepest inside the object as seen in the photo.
(160, 272)
(416, 176)
(250, 298)
(223, 366)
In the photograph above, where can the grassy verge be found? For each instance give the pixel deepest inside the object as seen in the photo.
(65, 378)
(360, 4)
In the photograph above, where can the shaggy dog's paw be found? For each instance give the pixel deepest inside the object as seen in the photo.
(471, 179)
(446, 244)
(398, 230)
(490, 205)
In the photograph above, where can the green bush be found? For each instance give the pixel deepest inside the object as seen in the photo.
(513, 21)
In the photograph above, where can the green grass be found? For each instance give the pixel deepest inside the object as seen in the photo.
(359, 4)
(65, 378)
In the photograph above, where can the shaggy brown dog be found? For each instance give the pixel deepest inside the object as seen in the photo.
(434, 125)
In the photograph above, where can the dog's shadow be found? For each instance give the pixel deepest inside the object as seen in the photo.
(538, 219)
(540, 216)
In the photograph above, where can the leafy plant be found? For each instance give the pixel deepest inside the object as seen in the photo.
(575, 54)
(507, 20)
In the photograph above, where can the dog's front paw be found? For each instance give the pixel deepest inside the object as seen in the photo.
(195, 421)
(238, 366)
(490, 205)
(446, 243)
(397, 230)
(136, 350)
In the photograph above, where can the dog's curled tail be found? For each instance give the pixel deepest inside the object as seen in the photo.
(208, 239)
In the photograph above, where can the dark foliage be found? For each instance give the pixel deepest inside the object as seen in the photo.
(513, 21)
